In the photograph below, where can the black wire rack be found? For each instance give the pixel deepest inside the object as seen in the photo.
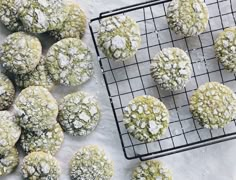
(126, 80)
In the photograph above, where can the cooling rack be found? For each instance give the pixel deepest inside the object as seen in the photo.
(126, 80)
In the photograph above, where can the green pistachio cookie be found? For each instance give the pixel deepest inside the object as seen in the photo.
(9, 14)
(213, 105)
(225, 48)
(40, 166)
(38, 77)
(151, 170)
(74, 25)
(9, 160)
(7, 92)
(48, 140)
(171, 69)
(20, 53)
(119, 37)
(79, 113)
(39, 16)
(36, 109)
(90, 162)
(69, 62)
(9, 131)
(146, 118)
(189, 18)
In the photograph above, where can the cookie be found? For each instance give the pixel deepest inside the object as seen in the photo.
(189, 18)
(7, 92)
(171, 69)
(79, 113)
(213, 105)
(20, 53)
(36, 108)
(146, 118)
(119, 37)
(90, 162)
(69, 62)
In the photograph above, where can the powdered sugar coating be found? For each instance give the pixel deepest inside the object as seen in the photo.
(171, 69)
(20, 53)
(74, 25)
(213, 105)
(9, 14)
(9, 160)
(7, 92)
(36, 108)
(48, 140)
(189, 18)
(38, 77)
(40, 165)
(39, 16)
(151, 170)
(79, 113)
(119, 37)
(9, 131)
(90, 162)
(225, 48)
(69, 62)
(146, 118)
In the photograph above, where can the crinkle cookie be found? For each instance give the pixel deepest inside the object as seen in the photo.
(225, 48)
(9, 131)
(20, 53)
(9, 160)
(146, 118)
(75, 24)
(171, 69)
(9, 14)
(69, 61)
(79, 113)
(213, 105)
(39, 16)
(36, 108)
(119, 37)
(40, 166)
(7, 92)
(151, 170)
(38, 77)
(90, 162)
(48, 140)
(188, 18)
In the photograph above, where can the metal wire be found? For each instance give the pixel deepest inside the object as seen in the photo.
(183, 133)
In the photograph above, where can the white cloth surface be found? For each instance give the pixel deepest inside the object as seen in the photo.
(216, 162)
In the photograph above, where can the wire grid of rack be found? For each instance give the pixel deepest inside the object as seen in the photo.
(126, 80)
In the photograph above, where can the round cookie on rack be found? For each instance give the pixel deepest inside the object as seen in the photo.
(9, 14)
(146, 118)
(36, 108)
(38, 77)
(37, 165)
(9, 131)
(213, 105)
(171, 69)
(119, 37)
(91, 162)
(20, 53)
(225, 48)
(151, 170)
(48, 140)
(188, 18)
(69, 62)
(7, 92)
(74, 25)
(9, 160)
(79, 113)
(39, 16)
